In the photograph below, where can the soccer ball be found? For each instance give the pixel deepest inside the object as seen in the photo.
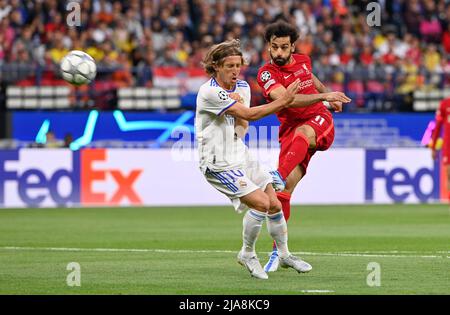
(78, 68)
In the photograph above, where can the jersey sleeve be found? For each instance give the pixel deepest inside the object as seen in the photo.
(216, 100)
(268, 80)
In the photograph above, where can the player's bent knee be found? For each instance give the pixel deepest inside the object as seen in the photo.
(309, 133)
(262, 205)
(258, 200)
(275, 206)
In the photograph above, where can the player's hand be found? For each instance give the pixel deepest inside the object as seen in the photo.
(237, 97)
(291, 90)
(336, 106)
(332, 97)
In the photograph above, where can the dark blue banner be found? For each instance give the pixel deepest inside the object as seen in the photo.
(354, 130)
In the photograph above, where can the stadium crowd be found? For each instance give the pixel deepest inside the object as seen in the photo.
(408, 50)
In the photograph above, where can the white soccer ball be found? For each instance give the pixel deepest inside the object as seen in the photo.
(78, 68)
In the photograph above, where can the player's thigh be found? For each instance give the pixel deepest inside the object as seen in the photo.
(323, 127)
(257, 200)
(260, 176)
(294, 178)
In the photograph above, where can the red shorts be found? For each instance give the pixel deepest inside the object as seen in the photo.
(322, 123)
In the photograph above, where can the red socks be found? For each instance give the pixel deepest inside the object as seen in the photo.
(295, 155)
(285, 199)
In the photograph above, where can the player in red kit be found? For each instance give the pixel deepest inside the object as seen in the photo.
(307, 126)
(443, 119)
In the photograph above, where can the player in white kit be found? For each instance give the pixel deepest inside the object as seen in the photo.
(222, 115)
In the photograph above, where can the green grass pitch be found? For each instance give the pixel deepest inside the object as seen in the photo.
(192, 250)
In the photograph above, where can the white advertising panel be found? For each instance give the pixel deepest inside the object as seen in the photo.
(165, 177)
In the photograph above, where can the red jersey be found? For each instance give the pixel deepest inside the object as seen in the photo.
(443, 119)
(271, 76)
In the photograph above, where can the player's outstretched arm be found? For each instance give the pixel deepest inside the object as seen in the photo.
(336, 106)
(303, 100)
(239, 110)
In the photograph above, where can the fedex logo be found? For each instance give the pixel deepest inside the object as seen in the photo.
(32, 185)
(90, 175)
(399, 182)
(47, 177)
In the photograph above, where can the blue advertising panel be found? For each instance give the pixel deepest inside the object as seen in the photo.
(89, 126)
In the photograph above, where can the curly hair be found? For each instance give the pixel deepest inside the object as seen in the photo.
(281, 29)
(217, 53)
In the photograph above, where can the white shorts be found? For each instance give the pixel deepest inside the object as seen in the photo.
(239, 182)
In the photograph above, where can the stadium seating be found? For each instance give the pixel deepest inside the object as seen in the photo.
(148, 98)
(429, 100)
(38, 97)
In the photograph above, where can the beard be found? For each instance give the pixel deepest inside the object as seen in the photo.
(279, 61)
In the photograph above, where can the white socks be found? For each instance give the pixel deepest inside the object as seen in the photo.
(277, 227)
(252, 224)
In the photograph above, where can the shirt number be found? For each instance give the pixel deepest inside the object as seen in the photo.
(319, 119)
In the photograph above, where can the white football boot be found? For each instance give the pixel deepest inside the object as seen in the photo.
(273, 263)
(278, 182)
(252, 264)
(295, 263)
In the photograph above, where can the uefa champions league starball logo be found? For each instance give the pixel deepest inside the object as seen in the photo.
(265, 76)
(223, 95)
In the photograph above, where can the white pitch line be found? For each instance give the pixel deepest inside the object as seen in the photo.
(348, 254)
(130, 250)
(317, 291)
(180, 251)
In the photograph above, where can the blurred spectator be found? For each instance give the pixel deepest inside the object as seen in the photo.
(123, 76)
(51, 141)
(446, 39)
(305, 45)
(346, 58)
(68, 139)
(128, 39)
(430, 28)
(432, 58)
(366, 56)
(408, 77)
(414, 52)
(58, 51)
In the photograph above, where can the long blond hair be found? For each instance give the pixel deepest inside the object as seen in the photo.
(217, 53)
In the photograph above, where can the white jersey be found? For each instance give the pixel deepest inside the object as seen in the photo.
(218, 145)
